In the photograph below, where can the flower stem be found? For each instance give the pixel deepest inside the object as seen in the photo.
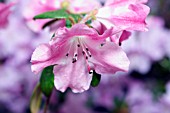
(46, 104)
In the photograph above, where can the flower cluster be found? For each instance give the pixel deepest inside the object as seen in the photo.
(92, 42)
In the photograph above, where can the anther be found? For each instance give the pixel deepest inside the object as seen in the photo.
(78, 45)
(86, 57)
(74, 60)
(83, 52)
(102, 44)
(75, 55)
(87, 49)
(91, 71)
(67, 54)
(120, 43)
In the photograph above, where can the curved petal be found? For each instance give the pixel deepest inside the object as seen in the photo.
(108, 59)
(64, 35)
(46, 55)
(98, 26)
(40, 57)
(119, 38)
(126, 16)
(73, 75)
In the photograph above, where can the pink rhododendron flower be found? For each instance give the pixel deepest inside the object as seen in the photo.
(76, 52)
(124, 14)
(36, 7)
(5, 10)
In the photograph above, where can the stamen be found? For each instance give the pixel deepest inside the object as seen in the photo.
(87, 49)
(120, 43)
(102, 44)
(89, 54)
(78, 45)
(75, 53)
(91, 71)
(83, 52)
(69, 50)
(86, 53)
(86, 57)
(67, 54)
(74, 60)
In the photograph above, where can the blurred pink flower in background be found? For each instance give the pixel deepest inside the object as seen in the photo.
(17, 43)
(143, 48)
(36, 7)
(5, 10)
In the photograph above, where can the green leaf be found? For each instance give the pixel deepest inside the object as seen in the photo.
(47, 81)
(58, 14)
(96, 79)
(36, 99)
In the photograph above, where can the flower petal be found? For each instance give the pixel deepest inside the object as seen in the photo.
(120, 37)
(126, 15)
(73, 75)
(84, 30)
(46, 55)
(108, 59)
(65, 34)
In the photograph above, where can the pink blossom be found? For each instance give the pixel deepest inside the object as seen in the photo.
(5, 10)
(76, 52)
(36, 7)
(124, 14)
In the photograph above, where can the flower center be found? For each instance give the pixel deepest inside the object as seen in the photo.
(78, 49)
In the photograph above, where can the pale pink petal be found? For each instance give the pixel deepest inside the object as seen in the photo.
(41, 53)
(72, 75)
(46, 55)
(99, 27)
(64, 35)
(108, 59)
(83, 30)
(40, 57)
(125, 35)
